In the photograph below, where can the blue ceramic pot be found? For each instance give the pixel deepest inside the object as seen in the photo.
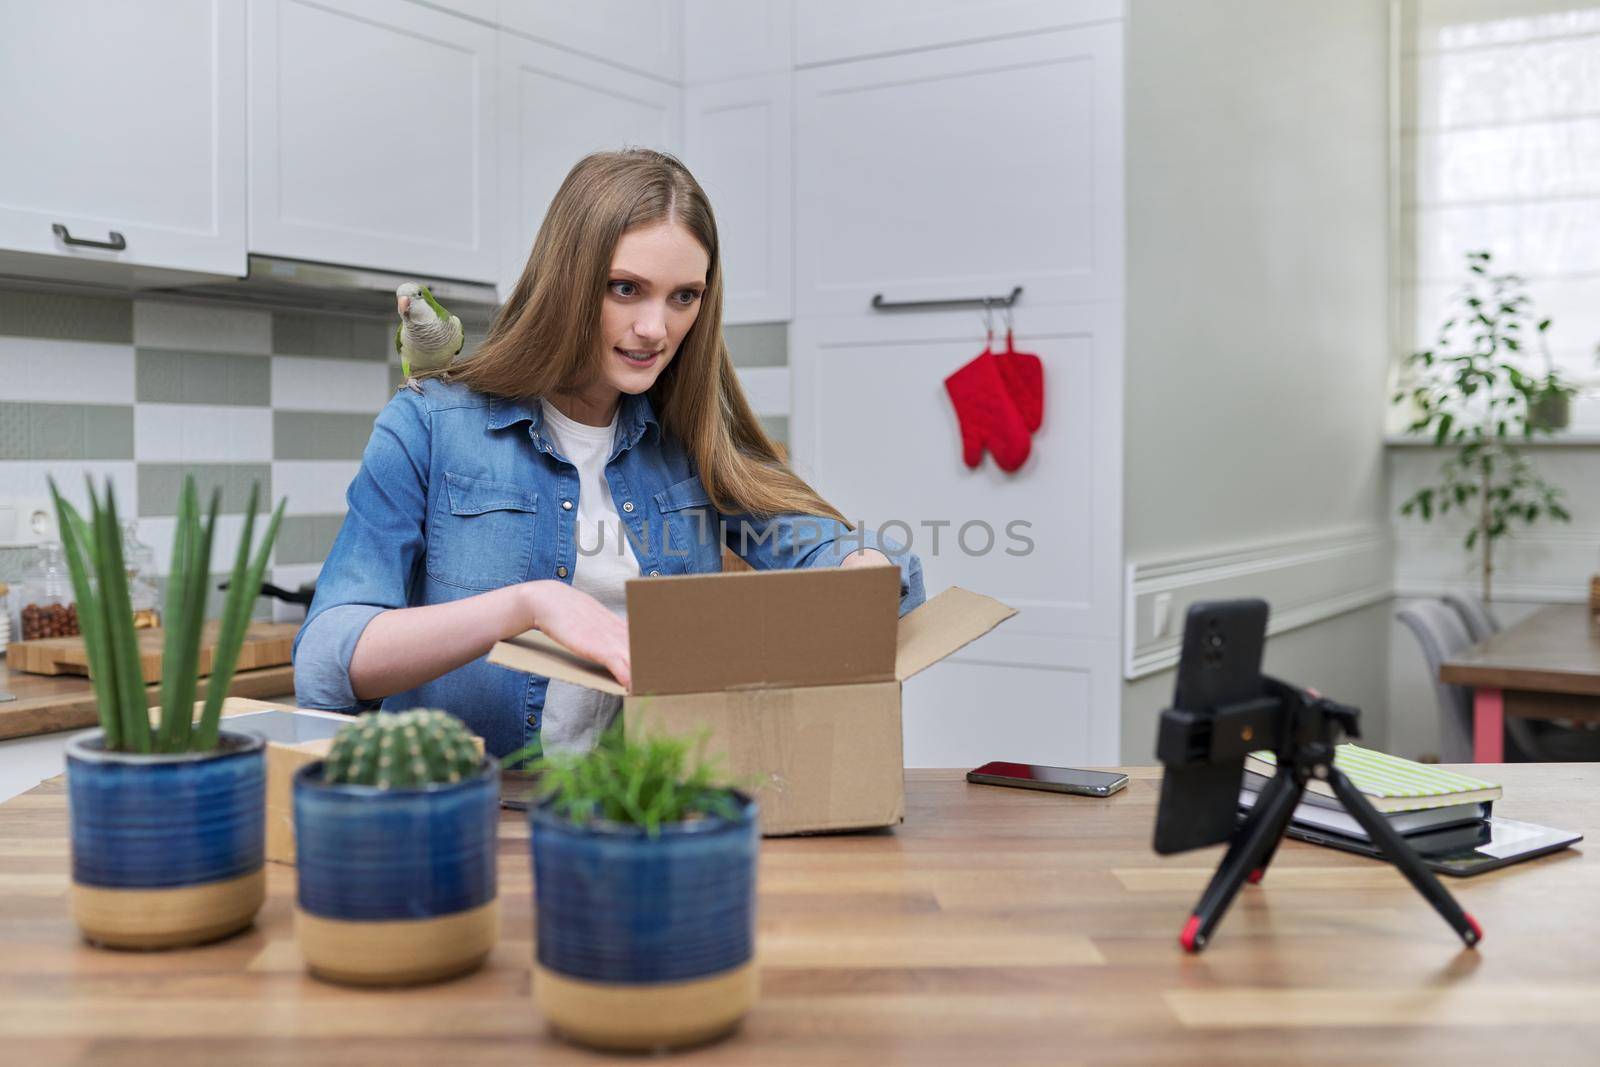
(645, 942)
(396, 885)
(166, 849)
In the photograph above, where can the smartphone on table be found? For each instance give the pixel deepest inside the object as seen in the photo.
(1051, 779)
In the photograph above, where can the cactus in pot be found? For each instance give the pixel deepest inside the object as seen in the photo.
(395, 842)
(409, 748)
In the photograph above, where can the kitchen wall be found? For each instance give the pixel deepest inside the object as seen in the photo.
(143, 389)
(1257, 337)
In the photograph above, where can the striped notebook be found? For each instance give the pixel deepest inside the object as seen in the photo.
(1389, 782)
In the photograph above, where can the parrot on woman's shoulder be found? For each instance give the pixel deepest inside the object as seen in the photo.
(428, 336)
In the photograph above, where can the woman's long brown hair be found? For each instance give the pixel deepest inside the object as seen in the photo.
(546, 339)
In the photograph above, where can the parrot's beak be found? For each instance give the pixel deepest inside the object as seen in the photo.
(404, 303)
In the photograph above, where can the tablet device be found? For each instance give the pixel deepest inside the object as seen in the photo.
(1460, 850)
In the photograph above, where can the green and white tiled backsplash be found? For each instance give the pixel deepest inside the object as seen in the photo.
(144, 389)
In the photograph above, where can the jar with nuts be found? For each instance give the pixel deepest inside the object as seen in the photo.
(46, 604)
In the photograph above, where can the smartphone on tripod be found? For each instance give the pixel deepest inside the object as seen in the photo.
(1223, 642)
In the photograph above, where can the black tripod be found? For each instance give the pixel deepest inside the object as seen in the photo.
(1307, 728)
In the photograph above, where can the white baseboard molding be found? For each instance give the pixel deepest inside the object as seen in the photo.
(1305, 579)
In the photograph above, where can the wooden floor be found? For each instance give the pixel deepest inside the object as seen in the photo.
(996, 927)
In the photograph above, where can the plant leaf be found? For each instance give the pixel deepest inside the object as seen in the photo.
(243, 588)
(121, 640)
(77, 545)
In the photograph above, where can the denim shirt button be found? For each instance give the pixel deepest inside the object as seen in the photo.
(655, 574)
(627, 505)
(561, 572)
(566, 505)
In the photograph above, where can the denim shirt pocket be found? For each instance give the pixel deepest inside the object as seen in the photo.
(692, 542)
(483, 533)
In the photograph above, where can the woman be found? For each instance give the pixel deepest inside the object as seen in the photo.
(599, 434)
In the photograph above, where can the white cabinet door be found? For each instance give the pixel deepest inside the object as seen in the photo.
(372, 136)
(127, 119)
(725, 39)
(827, 31)
(736, 140)
(874, 430)
(556, 108)
(962, 172)
(644, 37)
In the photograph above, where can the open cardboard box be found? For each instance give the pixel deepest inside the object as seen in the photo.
(795, 674)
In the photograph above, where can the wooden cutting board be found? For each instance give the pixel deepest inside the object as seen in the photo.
(266, 644)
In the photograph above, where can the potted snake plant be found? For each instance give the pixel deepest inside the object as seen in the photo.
(395, 851)
(644, 881)
(166, 812)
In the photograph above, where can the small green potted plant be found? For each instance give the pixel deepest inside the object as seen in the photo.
(645, 884)
(395, 852)
(167, 814)
(1472, 394)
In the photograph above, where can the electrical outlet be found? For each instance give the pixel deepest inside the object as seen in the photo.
(25, 522)
(1160, 614)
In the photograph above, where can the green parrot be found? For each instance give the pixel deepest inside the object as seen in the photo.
(428, 336)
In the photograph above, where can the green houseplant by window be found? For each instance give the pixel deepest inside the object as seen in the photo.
(167, 817)
(1472, 394)
(644, 873)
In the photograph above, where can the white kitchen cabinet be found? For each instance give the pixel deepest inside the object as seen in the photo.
(962, 172)
(828, 31)
(122, 121)
(556, 108)
(724, 39)
(642, 37)
(737, 142)
(372, 136)
(874, 430)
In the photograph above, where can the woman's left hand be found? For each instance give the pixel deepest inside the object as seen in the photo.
(866, 557)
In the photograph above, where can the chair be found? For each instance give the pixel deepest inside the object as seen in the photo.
(1441, 633)
(1481, 623)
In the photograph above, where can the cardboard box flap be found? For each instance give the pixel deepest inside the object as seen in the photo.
(761, 629)
(954, 618)
(535, 653)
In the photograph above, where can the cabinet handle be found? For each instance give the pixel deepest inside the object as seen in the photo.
(117, 242)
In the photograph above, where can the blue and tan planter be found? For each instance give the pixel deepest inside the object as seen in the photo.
(644, 943)
(396, 886)
(166, 849)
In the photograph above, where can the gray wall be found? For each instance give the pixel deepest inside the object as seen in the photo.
(1257, 333)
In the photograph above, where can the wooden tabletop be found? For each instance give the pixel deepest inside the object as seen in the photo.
(1554, 650)
(51, 703)
(996, 927)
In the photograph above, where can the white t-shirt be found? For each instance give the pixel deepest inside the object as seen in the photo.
(575, 717)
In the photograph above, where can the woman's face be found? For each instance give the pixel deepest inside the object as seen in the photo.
(658, 278)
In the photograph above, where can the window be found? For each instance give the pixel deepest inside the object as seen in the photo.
(1499, 149)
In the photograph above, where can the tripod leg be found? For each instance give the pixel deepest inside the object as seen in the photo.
(1392, 845)
(1252, 843)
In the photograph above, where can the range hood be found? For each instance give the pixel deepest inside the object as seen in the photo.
(294, 283)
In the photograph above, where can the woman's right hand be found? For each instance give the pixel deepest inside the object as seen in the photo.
(582, 625)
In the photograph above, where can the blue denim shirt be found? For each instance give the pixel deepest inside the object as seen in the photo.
(460, 493)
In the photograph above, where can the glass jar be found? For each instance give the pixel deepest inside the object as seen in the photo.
(45, 605)
(139, 559)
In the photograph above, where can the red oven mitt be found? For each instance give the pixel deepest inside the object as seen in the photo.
(989, 418)
(1023, 373)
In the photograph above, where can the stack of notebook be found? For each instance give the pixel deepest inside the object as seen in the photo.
(1413, 796)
